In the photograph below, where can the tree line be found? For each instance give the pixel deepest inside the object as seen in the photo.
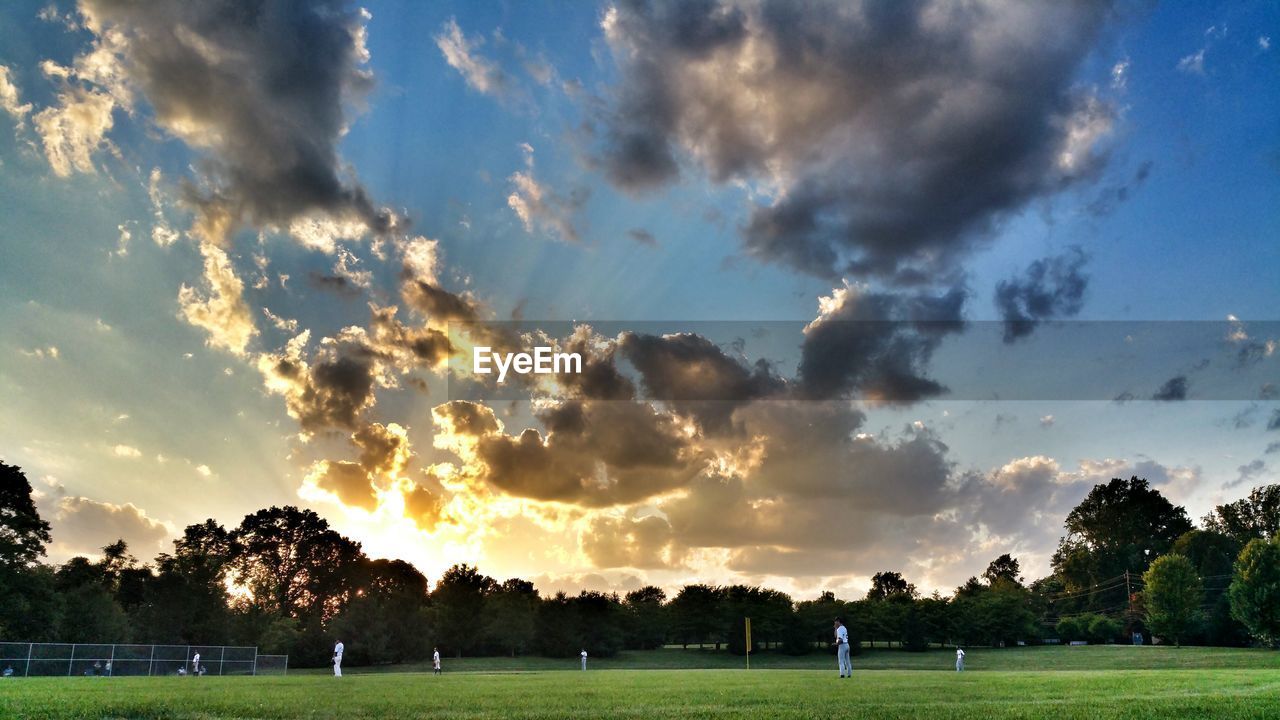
(283, 580)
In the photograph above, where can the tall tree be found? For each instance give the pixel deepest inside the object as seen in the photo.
(1213, 555)
(1172, 596)
(695, 615)
(459, 600)
(388, 614)
(646, 618)
(886, 584)
(1255, 590)
(1256, 516)
(512, 612)
(1004, 568)
(293, 563)
(23, 534)
(29, 605)
(1120, 526)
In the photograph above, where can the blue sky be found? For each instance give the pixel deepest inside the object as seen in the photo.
(144, 421)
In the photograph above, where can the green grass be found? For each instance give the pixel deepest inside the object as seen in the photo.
(1092, 657)
(1232, 693)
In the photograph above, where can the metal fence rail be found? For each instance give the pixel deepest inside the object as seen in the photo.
(109, 660)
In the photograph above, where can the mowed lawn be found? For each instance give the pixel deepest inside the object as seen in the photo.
(1174, 692)
(1091, 657)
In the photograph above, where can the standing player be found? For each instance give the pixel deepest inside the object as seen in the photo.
(337, 659)
(195, 665)
(842, 650)
(435, 661)
(584, 659)
(959, 660)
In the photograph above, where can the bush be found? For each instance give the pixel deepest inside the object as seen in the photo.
(1102, 629)
(1070, 629)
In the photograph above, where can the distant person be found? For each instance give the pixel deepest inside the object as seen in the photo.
(959, 660)
(584, 659)
(108, 668)
(97, 667)
(435, 661)
(842, 650)
(182, 670)
(195, 665)
(8, 671)
(337, 659)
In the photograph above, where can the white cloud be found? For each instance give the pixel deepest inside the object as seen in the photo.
(541, 208)
(126, 451)
(10, 100)
(1193, 63)
(480, 73)
(221, 310)
(42, 353)
(1120, 75)
(75, 129)
(84, 526)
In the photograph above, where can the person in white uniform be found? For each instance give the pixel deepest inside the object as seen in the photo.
(584, 659)
(337, 659)
(195, 664)
(842, 650)
(435, 661)
(959, 660)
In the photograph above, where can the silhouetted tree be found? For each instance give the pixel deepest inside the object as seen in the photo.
(512, 612)
(23, 534)
(646, 618)
(1256, 516)
(695, 615)
(293, 563)
(1003, 568)
(886, 584)
(459, 600)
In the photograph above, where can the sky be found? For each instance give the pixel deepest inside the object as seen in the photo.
(860, 286)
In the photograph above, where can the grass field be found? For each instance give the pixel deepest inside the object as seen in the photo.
(1060, 692)
(1092, 657)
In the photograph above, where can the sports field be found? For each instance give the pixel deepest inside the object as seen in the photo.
(1177, 692)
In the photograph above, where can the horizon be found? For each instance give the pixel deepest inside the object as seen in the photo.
(935, 275)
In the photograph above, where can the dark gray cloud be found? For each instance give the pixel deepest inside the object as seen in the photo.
(1175, 388)
(334, 284)
(261, 88)
(331, 392)
(1109, 198)
(877, 344)
(642, 236)
(1248, 473)
(695, 377)
(890, 136)
(594, 453)
(1051, 288)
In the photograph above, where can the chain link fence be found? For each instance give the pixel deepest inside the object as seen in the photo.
(104, 660)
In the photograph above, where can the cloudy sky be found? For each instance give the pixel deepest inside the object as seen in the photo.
(860, 286)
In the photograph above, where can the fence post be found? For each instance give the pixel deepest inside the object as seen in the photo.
(30, 652)
(151, 664)
(255, 661)
(111, 664)
(71, 661)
